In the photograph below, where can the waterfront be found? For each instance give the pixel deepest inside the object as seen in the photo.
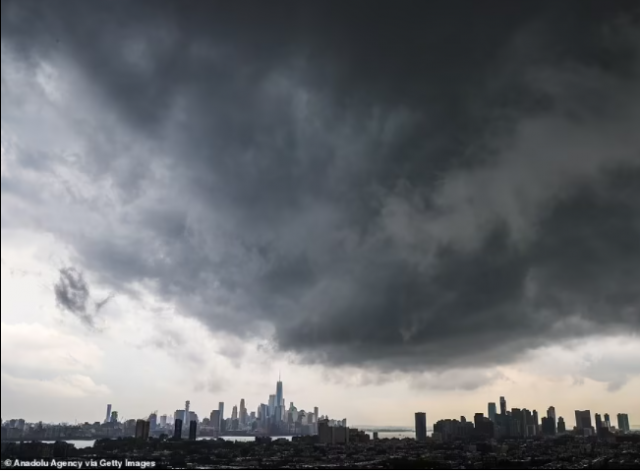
(79, 444)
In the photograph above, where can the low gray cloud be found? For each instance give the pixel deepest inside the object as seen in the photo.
(370, 190)
(73, 295)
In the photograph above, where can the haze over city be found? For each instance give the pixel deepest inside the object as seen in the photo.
(417, 208)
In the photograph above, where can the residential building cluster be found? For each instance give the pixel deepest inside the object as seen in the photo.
(519, 423)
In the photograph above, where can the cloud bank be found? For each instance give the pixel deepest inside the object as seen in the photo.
(372, 190)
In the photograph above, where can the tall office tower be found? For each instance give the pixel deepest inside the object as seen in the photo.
(234, 413)
(243, 412)
(177, 429)
(263, 411)
(163, 421)
(548, 426)
(315, 413)
(583, 421)
(272, 405)
(187, 406)
(503, 405)
(492, 411)
(279, 395)
(478, 418)
(536, 422)
(562, 427)
(623, 423)
(421, 426)
(179, 414)
(221, 409)
(599, 422)
(607, 421)
(215, 420)
(518, 422)
(193, 430)
(527, 419)
(108, 417)
(142, 430)
(551, 413)
(153, 422)
(114, 417)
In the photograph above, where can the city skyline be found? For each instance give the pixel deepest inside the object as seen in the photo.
(421, 208)
(583, 417)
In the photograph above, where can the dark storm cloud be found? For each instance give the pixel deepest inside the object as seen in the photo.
(393, 185)
(73, 295)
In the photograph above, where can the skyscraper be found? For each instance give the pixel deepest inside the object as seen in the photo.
(599, 423)
(583, 421)
(108, 417)
(215, 420)
(153, 422)
(492, 411)
(548, 426)
(421, 426)
(623, 423)
(536, 422)
(221, 409)
(193, 430)
(503, 405)
(243, 412)
(279, 400)
(177, 429)
(551, 413)
(234, 413)
(562, 427)
(316, 411)
(185, 419)
(607, 421)
(272, 405)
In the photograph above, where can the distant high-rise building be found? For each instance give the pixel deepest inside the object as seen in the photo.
(108, 417)
(548, 426)
(529, 428)
(114, 417)
(279, 395)
(221, 409)
(562, 427)
(215, 420)
(421, 426)
(607, 421)
(177, 429)
(551, 413)
(163, 421)
(503, 405)
(536, 422)
(193, 430)
(234, 413)
(316, 411)
(583, 421)
(492, 411)
(179, 414)
(623, 423)
(153, 422)
(142, 429)
(599, 423)
(243, 412)
(272, 405)
(187, 416)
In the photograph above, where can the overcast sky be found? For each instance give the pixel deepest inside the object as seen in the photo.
(401, 206)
